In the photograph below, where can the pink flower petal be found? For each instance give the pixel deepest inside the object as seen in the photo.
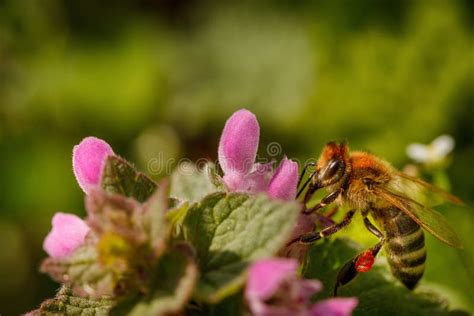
(254, 182)
(334, 307)
(284, 181)
(88, 161)
(265, 276)
(67, 234)
(239, 142)
(260, 176)
(235, 182)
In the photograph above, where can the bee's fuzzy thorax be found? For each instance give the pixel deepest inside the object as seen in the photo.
(363, 160)
(334, 150)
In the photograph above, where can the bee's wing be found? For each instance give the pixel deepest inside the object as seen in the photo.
(424, 186)
(426, 217)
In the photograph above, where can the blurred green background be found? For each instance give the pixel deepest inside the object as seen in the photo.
(159, 78)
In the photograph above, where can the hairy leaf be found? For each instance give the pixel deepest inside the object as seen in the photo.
(378, 292)
(82, 271)
(65, 303)
(155, 223)
(230, 231)
(188, 183)
(120, 177)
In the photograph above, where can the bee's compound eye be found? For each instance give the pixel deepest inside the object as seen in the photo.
(332, 169)
(332, 172)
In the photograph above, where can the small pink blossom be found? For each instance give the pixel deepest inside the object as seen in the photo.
(67, 234)
(273, 288)
(237, 153)
(88, 158)
(283, 183)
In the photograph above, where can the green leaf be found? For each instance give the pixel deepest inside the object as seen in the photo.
(188, 183)
(65, 303)
(176, 217)
(378, 292)
(81, 270)
(154, 219)
(120, 177)
(170, 289)
(230, 231)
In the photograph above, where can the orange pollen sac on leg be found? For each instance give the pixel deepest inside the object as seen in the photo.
(365, 261)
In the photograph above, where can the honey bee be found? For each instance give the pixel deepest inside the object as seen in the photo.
(363, 182)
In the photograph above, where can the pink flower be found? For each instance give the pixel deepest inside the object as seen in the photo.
(237, 153)
(88, 160)
(273, 288)
(67, 234)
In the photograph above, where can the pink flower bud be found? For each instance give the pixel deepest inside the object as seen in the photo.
(88, 160)
(67, 234)
(284, 181)
(239, 143)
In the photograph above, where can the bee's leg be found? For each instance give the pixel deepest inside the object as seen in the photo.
(331, 197)
(362, 262)
(374, 230)
(309, 193)
(313, 236)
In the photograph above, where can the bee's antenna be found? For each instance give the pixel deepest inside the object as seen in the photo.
(303, 172)
(304, 185)
(306, 166)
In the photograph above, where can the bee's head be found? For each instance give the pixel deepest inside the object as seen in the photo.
(332, 164)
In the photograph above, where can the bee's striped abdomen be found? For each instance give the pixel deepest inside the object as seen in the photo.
(405, 247)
